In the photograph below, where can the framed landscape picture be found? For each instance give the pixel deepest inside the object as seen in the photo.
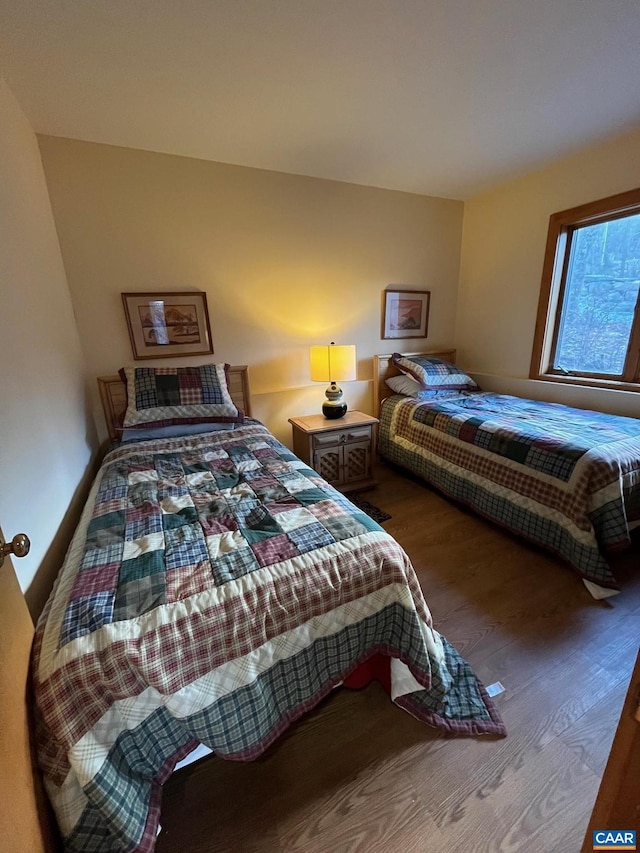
(405, 313)
(167, 324)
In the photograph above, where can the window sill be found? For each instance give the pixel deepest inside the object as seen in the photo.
(587, 382)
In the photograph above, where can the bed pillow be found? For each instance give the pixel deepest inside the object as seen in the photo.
(433, 373)
(408, 387)
(164, 396)
(172, 431)
(404, 384)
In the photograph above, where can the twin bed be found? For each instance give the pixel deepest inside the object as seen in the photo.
(564, 478)
(215, 590)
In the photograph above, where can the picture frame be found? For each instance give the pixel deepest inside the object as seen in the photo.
(405, 313)
(168, 324)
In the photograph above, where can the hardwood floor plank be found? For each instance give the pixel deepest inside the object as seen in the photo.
(549, 814)
(591, 736)
(616, 646)
(347, 822)
(550, 803)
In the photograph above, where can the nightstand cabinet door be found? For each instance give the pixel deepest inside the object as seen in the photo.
(329, 463)
(356, 464)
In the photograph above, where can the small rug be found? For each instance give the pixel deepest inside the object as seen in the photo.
(371, 510)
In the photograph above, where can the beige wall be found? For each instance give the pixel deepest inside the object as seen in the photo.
(285, 261)
(48, 437)
(504, 236)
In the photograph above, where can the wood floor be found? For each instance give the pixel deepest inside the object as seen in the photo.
(359, 774)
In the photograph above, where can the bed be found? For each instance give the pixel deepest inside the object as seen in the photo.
(566, 479)
(215, 590)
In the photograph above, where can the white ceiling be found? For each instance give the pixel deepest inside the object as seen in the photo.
(441, 97)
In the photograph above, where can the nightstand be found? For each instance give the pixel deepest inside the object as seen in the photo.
(341, 451)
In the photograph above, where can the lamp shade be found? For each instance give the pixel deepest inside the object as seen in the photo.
(333, 363)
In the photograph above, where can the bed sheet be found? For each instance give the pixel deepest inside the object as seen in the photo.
(567, 479)
(215, 590)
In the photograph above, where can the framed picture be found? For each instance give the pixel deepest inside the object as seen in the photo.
(163, 325)
(405, 313)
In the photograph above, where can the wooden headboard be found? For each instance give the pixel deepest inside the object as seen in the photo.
(383, 369)
(113, 394)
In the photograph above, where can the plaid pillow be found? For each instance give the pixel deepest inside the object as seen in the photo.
(433, 372)
(162, 396)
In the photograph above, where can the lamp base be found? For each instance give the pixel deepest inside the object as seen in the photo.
(333, 411)
(334, 406)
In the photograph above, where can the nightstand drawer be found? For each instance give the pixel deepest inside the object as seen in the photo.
(344, 436)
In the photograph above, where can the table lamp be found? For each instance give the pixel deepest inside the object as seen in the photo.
(333, 364)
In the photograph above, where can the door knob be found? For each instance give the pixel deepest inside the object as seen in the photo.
(19, 546)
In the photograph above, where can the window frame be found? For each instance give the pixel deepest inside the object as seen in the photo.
(562, 226)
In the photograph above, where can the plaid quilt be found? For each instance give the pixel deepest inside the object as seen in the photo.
(567, 479)
(215, 590)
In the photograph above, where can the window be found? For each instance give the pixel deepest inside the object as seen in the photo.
(588, 326)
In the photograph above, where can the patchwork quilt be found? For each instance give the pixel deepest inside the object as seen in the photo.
(567, 479)
(215, 590)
